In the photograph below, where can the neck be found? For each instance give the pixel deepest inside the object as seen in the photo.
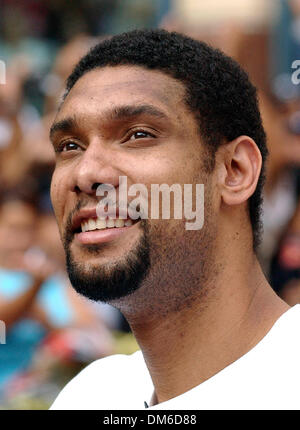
(186, 347)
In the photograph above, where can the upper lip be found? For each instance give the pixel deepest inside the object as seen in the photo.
(82, 215)
(85, 214)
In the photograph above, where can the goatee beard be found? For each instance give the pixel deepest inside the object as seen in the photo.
(109, 282)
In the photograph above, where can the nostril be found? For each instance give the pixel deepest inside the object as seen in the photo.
(96, 185)
(77, 189)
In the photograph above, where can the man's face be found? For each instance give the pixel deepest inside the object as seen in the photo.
(124, 121)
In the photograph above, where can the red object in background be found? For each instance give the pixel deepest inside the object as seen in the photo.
(289, 254)
(59, 345)
(35, 13)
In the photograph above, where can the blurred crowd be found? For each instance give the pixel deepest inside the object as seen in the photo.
(51, 332)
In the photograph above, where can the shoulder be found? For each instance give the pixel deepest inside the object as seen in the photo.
(102, 384)
(286, 328)
(285, 336)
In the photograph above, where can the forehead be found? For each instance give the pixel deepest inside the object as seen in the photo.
(109, 86)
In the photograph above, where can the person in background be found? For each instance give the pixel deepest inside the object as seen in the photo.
(21, 279)
(282, 189)
(285, 264)
(47, 323)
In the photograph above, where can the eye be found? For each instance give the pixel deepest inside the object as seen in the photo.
(141, 134)
(67, 146)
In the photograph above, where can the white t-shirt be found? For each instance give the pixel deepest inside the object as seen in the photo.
(266, 377)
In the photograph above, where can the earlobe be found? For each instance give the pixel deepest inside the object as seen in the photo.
(241, 165)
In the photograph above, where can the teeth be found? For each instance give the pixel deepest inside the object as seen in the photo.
(92, 224)
(110, 223)
(119, 222)
(100, 224)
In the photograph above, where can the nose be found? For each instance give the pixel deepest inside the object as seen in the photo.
(96, 166)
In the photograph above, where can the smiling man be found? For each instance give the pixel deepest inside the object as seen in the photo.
(161, 108)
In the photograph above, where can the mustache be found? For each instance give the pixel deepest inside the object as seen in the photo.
(125, 209)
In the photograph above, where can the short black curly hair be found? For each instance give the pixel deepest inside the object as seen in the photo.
(218, 90)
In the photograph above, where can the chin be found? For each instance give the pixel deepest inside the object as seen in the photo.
(100, 275)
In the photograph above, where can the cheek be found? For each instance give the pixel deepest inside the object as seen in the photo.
(58, 193)
(162, 167)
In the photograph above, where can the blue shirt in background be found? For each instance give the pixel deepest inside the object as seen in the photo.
(25, 336)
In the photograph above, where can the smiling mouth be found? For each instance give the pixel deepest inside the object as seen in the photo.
(92, 224)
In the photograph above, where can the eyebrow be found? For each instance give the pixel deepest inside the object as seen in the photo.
(123, 112)
(65, 125)
(115, 114)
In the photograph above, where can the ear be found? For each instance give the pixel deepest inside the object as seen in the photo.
(239, 163)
